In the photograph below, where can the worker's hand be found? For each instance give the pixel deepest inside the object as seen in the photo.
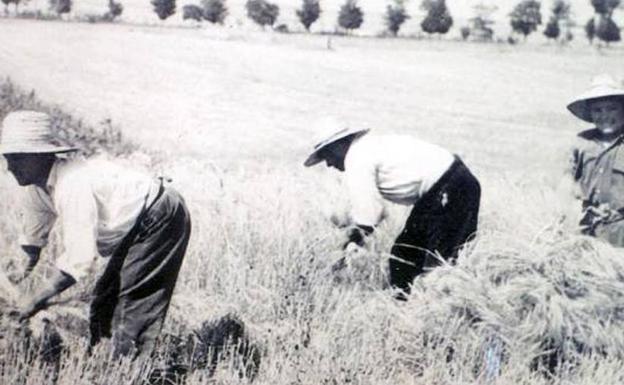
(601, 212)
(20, 271)
(352, 248)
(351, 251)
(354, 254)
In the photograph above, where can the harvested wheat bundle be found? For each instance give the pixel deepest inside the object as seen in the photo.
(547, 302)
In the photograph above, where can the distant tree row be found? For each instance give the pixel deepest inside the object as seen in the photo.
(350, 15)
(525, 17)
(61, 7)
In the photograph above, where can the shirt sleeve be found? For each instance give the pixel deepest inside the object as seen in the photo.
(366, 202)
(36, 218)
(77, 212)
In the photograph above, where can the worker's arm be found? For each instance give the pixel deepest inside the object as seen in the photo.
(54, 285)
(356, 237)
(36, 221)
(367, 209)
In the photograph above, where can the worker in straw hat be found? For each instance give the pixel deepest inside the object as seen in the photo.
(598, 159)
(402, 169)
(103, 209)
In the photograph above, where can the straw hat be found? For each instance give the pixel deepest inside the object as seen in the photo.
(29, 132)
(602, 86)
(329, 131)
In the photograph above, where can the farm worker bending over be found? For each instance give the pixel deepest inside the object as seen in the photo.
(408, 171)
(138, 224)
(598, 160)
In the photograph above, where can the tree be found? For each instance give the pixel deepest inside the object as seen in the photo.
(602, 25)
(465, 32)
(525, 17)
(214, 11)
(309, 13)
(60, 6)
(552, 30)
(560, 17)
(16, 2)
(192, 12)
(114, 10)
(395, 16)
(607, 30)
(561, 10)
(262, 12)
(438, 19)
(605, 7)
(590, 30)
(350, 16)
(481, 24)
(164, 8)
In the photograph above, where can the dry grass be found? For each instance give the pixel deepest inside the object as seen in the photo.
(262, 248)
(527, 284)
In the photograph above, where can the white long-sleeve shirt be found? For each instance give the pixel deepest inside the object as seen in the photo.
(399, 168)
(96, 203)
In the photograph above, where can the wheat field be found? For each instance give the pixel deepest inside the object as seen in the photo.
(226, 114)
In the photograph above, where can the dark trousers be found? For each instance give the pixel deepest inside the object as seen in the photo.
(441, 221)
(132, 296)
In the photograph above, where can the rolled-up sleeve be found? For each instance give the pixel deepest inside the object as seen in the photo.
(36, 218)
(77, 211)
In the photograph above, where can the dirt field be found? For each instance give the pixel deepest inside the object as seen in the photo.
(221, 94)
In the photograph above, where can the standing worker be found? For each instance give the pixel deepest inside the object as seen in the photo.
(408, 171)
(141, 226)
(598, 160)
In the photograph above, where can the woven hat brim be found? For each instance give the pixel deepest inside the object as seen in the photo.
(315, 157)
(580, 107)
(35, 150)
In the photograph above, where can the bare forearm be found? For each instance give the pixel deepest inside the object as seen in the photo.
(56, 284)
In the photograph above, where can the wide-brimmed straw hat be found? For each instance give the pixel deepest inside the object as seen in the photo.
(29, 132)
(329, 131)
(602, 86)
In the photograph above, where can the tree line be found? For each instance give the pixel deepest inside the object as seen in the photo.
(525, 17)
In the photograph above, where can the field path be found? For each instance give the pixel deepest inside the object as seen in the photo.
(227, 95)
